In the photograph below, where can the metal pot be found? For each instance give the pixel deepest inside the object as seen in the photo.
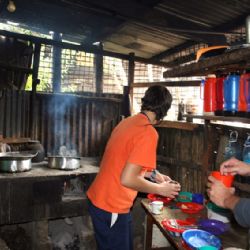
(64, 162)
(12, 162)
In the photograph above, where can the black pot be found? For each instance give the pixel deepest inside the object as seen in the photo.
(36, 147)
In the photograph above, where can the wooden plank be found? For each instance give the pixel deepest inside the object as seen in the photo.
(178, 125)
(219, 118)
(209, 65)
(167, 84)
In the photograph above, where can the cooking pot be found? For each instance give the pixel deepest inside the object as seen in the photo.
(12, 162)
(64, 162)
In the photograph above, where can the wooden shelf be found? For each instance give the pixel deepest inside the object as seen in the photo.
(178, 125)
(229, 61)
(219, 118)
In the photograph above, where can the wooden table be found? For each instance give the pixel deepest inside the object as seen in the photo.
(236, 236)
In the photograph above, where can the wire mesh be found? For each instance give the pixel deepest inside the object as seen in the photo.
(148, 72)
(115, 75)
(78, 71)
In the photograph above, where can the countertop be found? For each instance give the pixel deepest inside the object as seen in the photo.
(89, 165)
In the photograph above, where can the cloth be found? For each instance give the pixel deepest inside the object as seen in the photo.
(242, 212)
(117, 236)
(134, 140)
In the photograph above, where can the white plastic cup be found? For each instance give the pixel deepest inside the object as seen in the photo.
(156, 207)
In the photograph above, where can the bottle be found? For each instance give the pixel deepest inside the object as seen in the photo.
(180, 111)
(243, 90)
(231, 94)
(246, 150)
(219, 95)
(209, 95)
(232, 148)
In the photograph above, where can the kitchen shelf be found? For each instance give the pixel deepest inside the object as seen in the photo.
(219, 118)
(234, 59)
(179, 125)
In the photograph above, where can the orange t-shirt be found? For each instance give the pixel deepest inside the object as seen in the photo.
(133, 140)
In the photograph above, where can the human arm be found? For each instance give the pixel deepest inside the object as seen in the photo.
(234, 166)
(242, 212)
(156, 176)
(131, 177)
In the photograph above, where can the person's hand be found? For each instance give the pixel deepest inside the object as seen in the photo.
(219, 193)
(234, 166)
(159, 178)
(169, 188)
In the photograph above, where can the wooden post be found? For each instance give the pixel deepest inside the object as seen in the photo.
(35, 81)
(99, 71)
(56, 70)
(131, 74)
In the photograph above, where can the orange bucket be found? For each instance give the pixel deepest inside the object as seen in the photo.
(227, 180)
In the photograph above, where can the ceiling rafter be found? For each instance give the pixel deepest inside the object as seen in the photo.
(232, 24)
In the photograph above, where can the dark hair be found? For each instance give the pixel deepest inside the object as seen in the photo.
(158, 100)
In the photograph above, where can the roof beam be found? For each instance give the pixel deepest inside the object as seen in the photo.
(237, 22)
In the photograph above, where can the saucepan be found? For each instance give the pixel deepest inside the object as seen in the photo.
(64, 162)
(12, 162)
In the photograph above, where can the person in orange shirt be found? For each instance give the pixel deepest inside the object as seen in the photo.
(129, 157)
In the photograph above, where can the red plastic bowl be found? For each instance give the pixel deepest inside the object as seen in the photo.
(156, 197)
(178, 229)
(190, 207)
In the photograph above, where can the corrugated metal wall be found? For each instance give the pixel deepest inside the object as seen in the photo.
(14, 113)
(81, 123)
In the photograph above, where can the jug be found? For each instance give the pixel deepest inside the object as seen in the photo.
(209, 95)
(246, 150)
(219, 95)
(233, 148)
(247, 94)
(243, 89)
(231, 94)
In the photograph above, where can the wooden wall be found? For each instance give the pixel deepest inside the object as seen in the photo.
(180, 155)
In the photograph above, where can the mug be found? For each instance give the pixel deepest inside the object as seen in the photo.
(227, 180)
(156, 207)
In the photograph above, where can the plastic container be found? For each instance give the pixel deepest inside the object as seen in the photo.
(247, 94)
(231, 94)
(215, 227)
(246, 150)
(156, 197)
(176, 227)
(209, 95)
(242, 103)
(227, 180)
(184, 196)
(207, 248)
(219, 95)
(189, 207)
(198, 198)
(196, 238)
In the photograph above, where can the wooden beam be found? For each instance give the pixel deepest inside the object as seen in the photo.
(179, 125)
(210, 65)
(174, 50)
(167, 84)
(10, 67)
(85, 48)
(237, 22)
(181, 60)
(99, 71)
